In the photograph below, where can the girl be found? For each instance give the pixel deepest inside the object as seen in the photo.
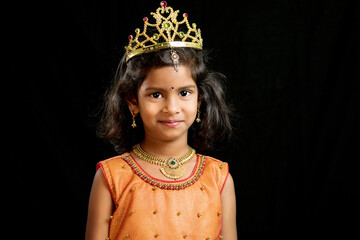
(163, 100)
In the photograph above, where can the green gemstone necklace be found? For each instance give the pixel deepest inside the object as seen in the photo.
(171, 168)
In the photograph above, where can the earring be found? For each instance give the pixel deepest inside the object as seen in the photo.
(133, 118)
(198, 115)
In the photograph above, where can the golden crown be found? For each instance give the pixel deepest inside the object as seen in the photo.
(167, 32)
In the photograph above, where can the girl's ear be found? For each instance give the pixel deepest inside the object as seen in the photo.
(133, 106)
(199, 99)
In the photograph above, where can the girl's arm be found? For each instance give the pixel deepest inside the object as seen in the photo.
(229, 210)
(101, 207)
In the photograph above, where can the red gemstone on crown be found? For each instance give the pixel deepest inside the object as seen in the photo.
(130, 37)
(163, 4)
(145, 19)
(185, 15)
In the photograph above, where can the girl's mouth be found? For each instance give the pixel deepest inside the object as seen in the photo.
(172, 124)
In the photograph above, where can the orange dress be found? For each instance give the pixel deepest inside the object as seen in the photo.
(149, 208)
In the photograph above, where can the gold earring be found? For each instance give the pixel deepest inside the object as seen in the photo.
(133, 118)
(198, 115)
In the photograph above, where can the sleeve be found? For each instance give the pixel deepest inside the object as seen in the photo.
(108, 177)
(220, 171)
(224, 175)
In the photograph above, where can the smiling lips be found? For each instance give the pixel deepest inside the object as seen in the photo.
(171, 123)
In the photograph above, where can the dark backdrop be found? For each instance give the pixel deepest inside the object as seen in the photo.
(293, 70)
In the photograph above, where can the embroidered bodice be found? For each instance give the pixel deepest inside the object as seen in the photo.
(150, 208)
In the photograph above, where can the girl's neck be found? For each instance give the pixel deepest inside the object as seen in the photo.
(165, 149)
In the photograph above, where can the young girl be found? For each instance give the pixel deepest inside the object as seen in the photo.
(163, 105)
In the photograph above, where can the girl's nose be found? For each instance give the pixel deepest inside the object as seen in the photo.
(172, 105)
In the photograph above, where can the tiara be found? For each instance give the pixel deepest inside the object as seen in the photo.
(166, 32)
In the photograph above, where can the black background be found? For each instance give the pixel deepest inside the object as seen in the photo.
(293, 70)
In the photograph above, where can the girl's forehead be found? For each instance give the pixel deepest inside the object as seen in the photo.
(167, 76)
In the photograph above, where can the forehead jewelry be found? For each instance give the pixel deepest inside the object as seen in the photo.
(167, 29)
(175, 59)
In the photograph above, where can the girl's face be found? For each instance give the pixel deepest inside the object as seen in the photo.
(167, 103)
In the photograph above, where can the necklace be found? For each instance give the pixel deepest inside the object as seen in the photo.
(171, 168)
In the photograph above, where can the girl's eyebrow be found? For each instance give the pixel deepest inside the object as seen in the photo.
(163, 89)
(154, 89)
(188, 86)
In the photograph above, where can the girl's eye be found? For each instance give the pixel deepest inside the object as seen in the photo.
(184, 93)
(156, 95)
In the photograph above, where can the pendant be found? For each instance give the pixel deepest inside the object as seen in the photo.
(173, 169)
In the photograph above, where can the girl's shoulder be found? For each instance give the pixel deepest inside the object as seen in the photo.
(216, 169)
(113, 162)
(114, 169)
(214, 162)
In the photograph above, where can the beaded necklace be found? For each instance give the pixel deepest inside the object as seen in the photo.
(171, 168)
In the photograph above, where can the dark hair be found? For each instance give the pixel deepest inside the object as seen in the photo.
(115, 125)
